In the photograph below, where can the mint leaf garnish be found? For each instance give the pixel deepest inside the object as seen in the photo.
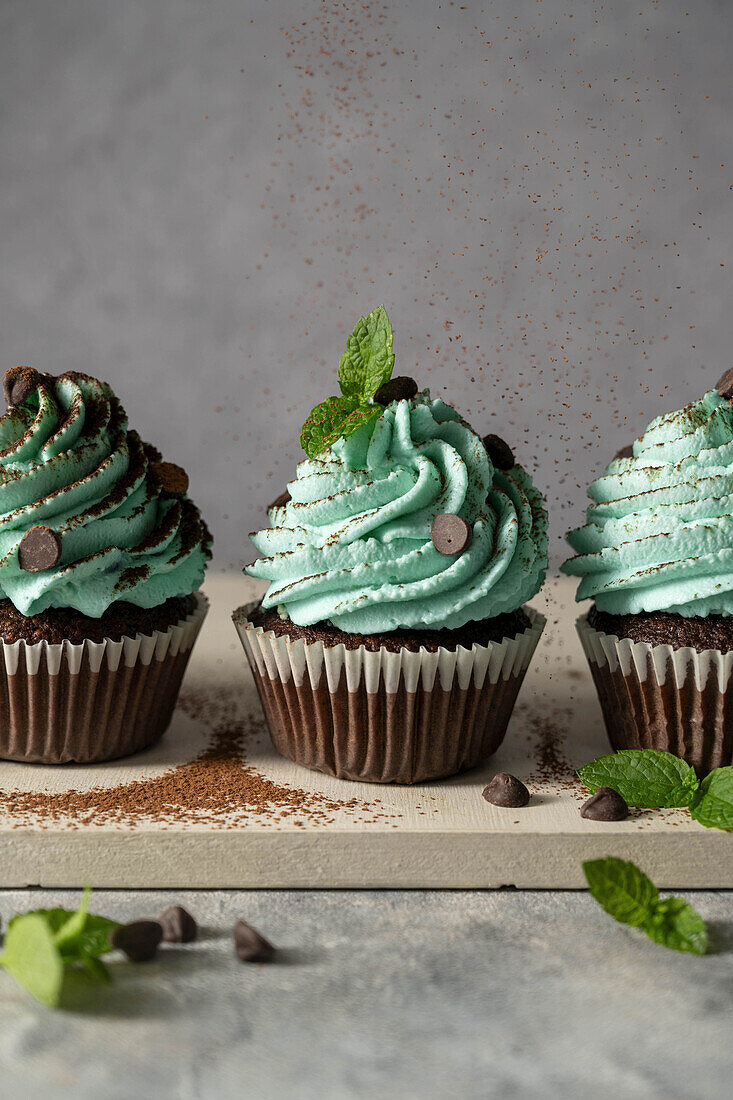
(674, 923)
(622, 889)
(644, 777)
(368, 360)
(365, 366)
(713, 804)
(40, 945)
(334, 418)
(629, 896)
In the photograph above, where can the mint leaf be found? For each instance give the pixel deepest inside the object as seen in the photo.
(713, 804)
(644, 777)
(73, 926)
(334, 418)
(368, 360)
(33, 959)
(675, 924)
(621, 889)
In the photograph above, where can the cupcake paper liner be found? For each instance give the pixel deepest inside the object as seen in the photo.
(92, 701)
(382, 716)
(658, 697)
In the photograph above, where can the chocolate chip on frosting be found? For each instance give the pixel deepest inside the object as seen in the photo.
(450, 534)
(19, 383)
(401, 388)
(625, 452)
(499, 452)
(174, 479)
(40, 548)
(724, 385)
(280, 502)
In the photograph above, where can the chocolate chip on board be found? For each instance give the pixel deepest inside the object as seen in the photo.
(249, 945)
(178, 925)
(724, 385)
(19, 383)
(450, 534)
(39, 549)
(173, 478)
(139, 940)
(400, 388)
(506, 790)
(605, 805)
(499, 452)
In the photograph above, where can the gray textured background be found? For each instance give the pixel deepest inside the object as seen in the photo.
(198, 199)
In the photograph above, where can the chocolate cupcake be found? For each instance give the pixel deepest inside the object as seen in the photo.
(101, 558)
(656, 556)
(392, 640)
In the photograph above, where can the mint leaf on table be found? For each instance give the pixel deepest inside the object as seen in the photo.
(629, 896)
(334, 418)
(621, 889)
(40, 945)
(713, 803)
(644, 777)
(368, 360)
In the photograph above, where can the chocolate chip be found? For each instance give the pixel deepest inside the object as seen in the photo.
(19, 383)
(280, 501)
(506, 790)
(39, 549)
(625, 452)
(250, 946)
(173, 479)
(178, 925)
(724, 385)
(605, 805)
(139, 939)
(401, 388)
(450, 534)
(499, 452)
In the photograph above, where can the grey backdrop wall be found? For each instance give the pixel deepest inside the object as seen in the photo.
(198, 199)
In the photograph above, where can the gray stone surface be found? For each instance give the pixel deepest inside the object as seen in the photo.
(199, 197)
(390, 995)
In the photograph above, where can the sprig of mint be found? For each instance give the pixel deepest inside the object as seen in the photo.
(365, 366)
(629, 896)
(644, 777)
(652, 779)
(41, 945)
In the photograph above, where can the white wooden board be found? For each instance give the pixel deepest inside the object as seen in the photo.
(349, 834)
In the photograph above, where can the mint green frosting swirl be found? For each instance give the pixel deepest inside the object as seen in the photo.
(69, 462)
(353, 544)
(659, 533)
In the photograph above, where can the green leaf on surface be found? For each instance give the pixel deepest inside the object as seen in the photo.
(368, 360)
(644, 777)
(621, 889)
(334, 418)
(675, 924)
(713, 804)
(33, 959)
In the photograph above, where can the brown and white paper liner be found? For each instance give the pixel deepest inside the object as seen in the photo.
(93, 701)
(382, 716)
(658, 697)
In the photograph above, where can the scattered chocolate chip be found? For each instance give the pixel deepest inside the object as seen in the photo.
(280, 501)
(605, 805)
(178, 925)
(139, 940)
(250, 946)
(625, 452)
(19, 383)
(499, 452)
(174, 479)
(506, 790)
(724, 385)
(401, 388)
(39, 549)
(450, 534)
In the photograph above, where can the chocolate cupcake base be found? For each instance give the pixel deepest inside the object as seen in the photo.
(90, 701)
(380, 715)
(661, 697)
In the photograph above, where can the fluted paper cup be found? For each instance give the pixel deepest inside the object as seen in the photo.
(92, 701)
(380, 716)
(659, 697)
